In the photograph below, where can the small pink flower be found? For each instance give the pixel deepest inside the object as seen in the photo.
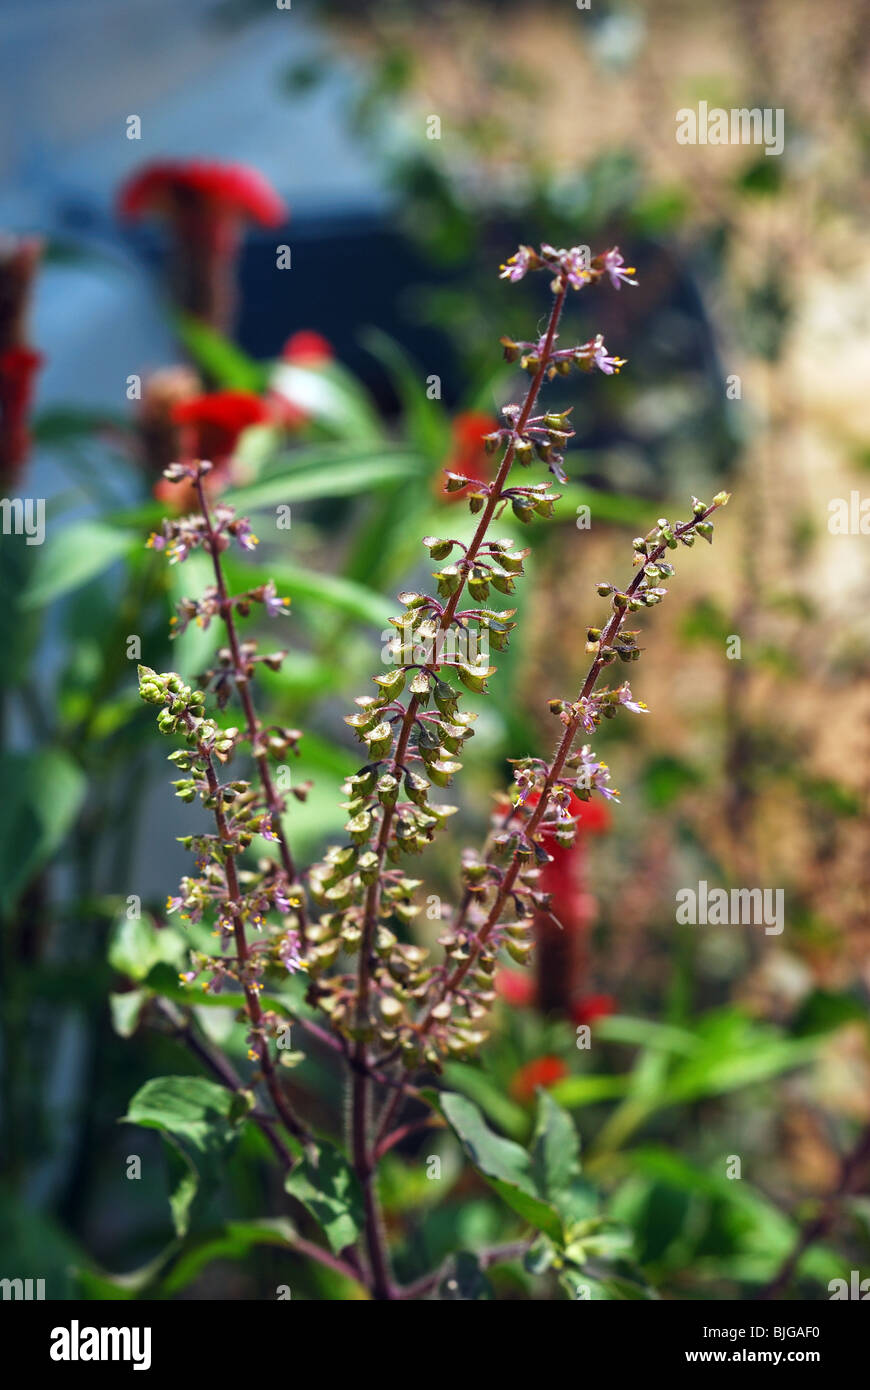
(274, 605)
(516, 266)
(603, 361)
(291, 954)
(616, 268)
(625, 699)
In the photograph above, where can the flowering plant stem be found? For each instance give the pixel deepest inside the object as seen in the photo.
(252, 1000)
(243, 686)
(566, 744)
(360, 1092)
(394, 1007)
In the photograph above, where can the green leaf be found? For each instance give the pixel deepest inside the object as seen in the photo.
(183, 1186)
(234, 1242)
(483, 1088)
(331, 1193)
(98, 1285)
(612, 508)
(666, 778)
(231, 368)
(71, 556)
(126, 1010)
(598, 1237)
(199, 1122)
(332, 396)
(310, 484)
(577, 1091)
(555, 1148)
(137, 945)
(823, 1010)
(36, 1247)
(733, 1051)
(645, 1032)
(194, 649)
(42, 794)
(505, 1165)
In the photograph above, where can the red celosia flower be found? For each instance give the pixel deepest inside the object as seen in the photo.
(216, 420)
(233, 188)
(205, 206)
(307, 349)
(468, 455)
(209, 427)
(589, 1007)
(19, 263)
(516, 988)
(18, 368)
(542, 1071)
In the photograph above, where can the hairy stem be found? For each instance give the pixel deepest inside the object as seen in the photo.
(252, 998)
(563, 752)
(360, 1093)
(252, 724)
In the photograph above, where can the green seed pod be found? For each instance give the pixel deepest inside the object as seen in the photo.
(438, 549)
(379, 740)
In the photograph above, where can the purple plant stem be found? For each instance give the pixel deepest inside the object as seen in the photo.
(563, 751)
(252, 998)
(360, 1087)
(222, 1069)
(252, 724)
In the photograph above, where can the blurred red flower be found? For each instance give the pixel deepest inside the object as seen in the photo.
(216, 420)
(18, 368)
(541, 1071)
(468, 455)
(205, 206)
(307, 349)
(170, 186)
(589, 1007)
(209, 427)
(19, 363)
(515, 987)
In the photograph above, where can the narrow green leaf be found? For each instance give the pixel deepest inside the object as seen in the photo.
(343, 595)
(70, 556)
(426, 420)
(310, 484)
(332, 396)
(231, 368)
